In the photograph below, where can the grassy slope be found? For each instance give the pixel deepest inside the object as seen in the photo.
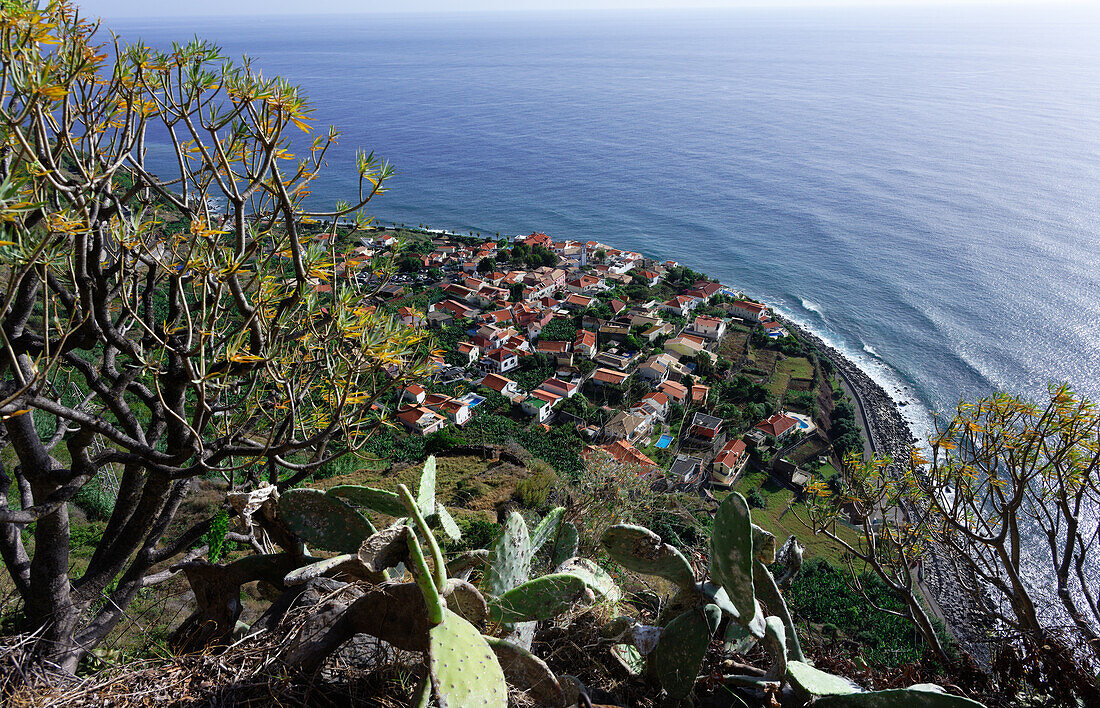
(782, 523)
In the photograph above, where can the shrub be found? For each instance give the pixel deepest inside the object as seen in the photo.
(442, 440)
(757, 500)
(821, 593)
(96, 499)
(466, 490)
(534, 490)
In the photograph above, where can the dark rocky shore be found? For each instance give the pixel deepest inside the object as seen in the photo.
(888, 435)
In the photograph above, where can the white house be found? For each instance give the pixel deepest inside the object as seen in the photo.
(708, 327)
(503, 386)
(751, 311)
(685, 345)
(540, 405)
(680, 305)
(556, 386)
(420, 420)
(730, 463)
(414, 394)
(455, 411)
(500, 361)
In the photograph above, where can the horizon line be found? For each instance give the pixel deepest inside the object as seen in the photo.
(755, 5)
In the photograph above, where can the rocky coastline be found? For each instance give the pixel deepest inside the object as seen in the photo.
(889, 435)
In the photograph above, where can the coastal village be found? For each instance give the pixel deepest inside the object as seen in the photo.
(678, 376)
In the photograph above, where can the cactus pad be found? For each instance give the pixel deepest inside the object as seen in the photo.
(630, 658)
(466, 562)
(546, 529)
(596, 577)
(775, 639)
(464, 600)
(447, 523)
(463, 668)
(566, 543)
(731, 554)
(924, 695)
(768, 592)
(679, 653)
(642, 551)
(738, 639)
(528, 673)
(425, 493)
(424, 580)
(763, 545)
(323, 521)
(509, 558)
(539, 599)
(815, 682)
(717, 595)
(347, 565)
(385, 549)
(380, 500)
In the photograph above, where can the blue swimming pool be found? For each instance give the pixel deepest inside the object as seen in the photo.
(664, 441)
(473, 400)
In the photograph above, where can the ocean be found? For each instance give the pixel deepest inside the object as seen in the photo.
(920, 187)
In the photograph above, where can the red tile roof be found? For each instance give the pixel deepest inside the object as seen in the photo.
(496, 382)
(623, 451)
(777, 424)
(731, 453)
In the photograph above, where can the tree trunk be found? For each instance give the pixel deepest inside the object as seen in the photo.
(49, 606)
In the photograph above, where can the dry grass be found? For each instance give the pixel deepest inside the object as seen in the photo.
(467, 485)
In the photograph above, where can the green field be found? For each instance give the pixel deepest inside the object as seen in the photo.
(777, 520)
(797, 367)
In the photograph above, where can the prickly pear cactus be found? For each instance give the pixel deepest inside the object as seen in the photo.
(775, 639)
(763, 545)
(447, 523)
(566, 542)
(815, 682)
(924, 695)
(629, 657)
(596, 577)
(546, 529)
(539, 599)
(346, 564)
(463, 669)
(323, 521)
(528, 673)
(466, 601)
(380, 500)
(385, 549)
(731, 554)
(834, 691)
(462, 565)
(425, 493)
(679, 653)
(509, 558)
(738, 639)
(768, 592)
(642, 551)
(716, 594)
(424, 580)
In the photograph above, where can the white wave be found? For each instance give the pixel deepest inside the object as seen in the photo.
(913, 408)
(812, 306)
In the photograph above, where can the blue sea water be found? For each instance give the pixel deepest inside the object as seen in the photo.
(921, 187)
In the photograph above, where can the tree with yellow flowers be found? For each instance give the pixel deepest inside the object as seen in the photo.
(1007, 496)
(164, 327)
(1012, 492)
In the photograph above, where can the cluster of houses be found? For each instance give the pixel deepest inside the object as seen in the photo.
(510, 309)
